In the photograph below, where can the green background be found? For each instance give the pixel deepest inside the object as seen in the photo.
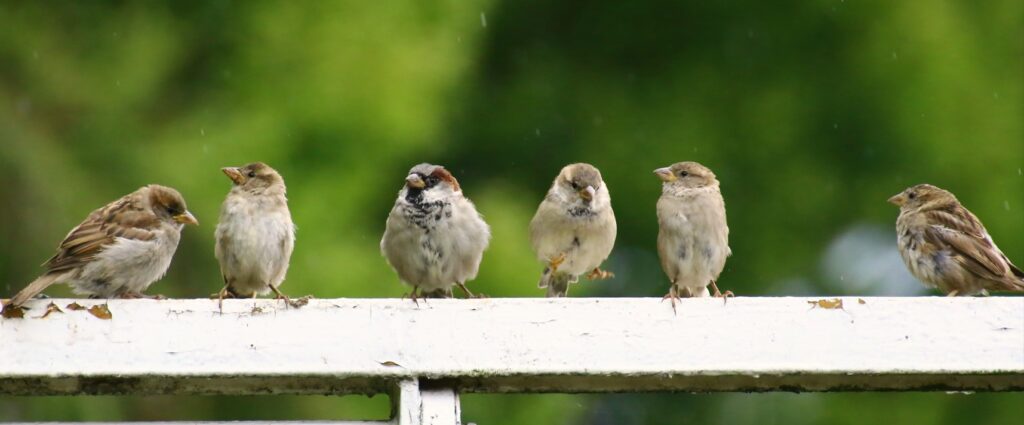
(812, 113)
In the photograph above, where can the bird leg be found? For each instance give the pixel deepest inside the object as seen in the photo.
(673, 295)
(412, 295)
(598, 274)
(556, 261)
(719, 294)
(221, 295)
(467, 293)
(296, 303)
(139, 295)
(953, 293)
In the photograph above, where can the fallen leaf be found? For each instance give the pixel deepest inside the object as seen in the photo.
(828, 304)
(51, 308)
(74, 307)
(861, 301)
(390, 363)
(14, 312)
(101, 311)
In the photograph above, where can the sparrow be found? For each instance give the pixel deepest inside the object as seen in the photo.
(120, 249)
(434, 237)
(255, 235)
(573, 230)
(946, 246)
(693, 236)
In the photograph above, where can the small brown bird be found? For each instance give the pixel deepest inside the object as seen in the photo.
(693, 236)
(573, 230)
(946, 246)
(434, 237)
(120, 249)
(255, 235)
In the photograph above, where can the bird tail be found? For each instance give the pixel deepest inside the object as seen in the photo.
(33, 289)
(1015, 281)
(557, 283)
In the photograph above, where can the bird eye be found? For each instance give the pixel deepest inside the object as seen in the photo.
(252, 174)
(170, 210)
(911, 195)
(683, 174)
(575, 186)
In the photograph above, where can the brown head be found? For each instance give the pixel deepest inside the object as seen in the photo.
(167, 204)
(580, 179)
(254, 177)
(686, 175)
(922, 197)
(428, 177)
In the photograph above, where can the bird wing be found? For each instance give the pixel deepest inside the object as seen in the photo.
(964, 234)
(124, 218)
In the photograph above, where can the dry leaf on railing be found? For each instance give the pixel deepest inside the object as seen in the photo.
(101, 311)
(835, 303)
(50, 309)
(13, 312)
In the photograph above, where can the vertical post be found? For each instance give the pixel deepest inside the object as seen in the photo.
(411, 404)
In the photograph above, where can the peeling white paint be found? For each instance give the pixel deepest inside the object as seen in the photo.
(517, 345)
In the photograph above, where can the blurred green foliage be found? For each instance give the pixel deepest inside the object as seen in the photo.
(811, 113)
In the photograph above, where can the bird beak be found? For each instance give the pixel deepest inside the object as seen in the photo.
(587, 193)
(897, 199)
(415, 181)
(186, 218)
(665, 174)
(234, 174)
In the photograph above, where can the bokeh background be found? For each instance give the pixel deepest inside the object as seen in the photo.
(811, 113)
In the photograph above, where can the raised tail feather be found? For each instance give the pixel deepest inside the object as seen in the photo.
(33, 289)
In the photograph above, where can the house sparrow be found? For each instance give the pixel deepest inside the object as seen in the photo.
(255, 235)
(574, 228)
(693, 237)
(120, 249)
(947, 247)
(434, 237)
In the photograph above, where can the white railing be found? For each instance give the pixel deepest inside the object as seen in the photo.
(424, 355)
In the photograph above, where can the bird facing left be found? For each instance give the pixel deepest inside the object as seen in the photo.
(434, 237)
(255, 235)
(120, 249)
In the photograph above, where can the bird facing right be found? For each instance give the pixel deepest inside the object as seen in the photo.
(693, 236)
(946, 246)
(120, 249)
(255, 235)
(573, 230)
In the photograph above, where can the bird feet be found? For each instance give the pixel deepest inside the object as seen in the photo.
(412, 295)
(139, 295)
(556, 261)
(719, 294)
(296, 303)
(598, 274)
(673, 295)
(468, 294)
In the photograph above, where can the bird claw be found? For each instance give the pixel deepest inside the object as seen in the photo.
(672, 295)
(719, 294)
(470, 294)
(556, 261)
(598, 274)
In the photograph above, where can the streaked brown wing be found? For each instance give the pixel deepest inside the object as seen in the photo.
(976, 254)
(122, 218)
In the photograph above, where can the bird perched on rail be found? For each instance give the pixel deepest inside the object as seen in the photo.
(946, 246)
(120, 249)
(693, 236)
(434, 238)
(255, 235)
(574, 228)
